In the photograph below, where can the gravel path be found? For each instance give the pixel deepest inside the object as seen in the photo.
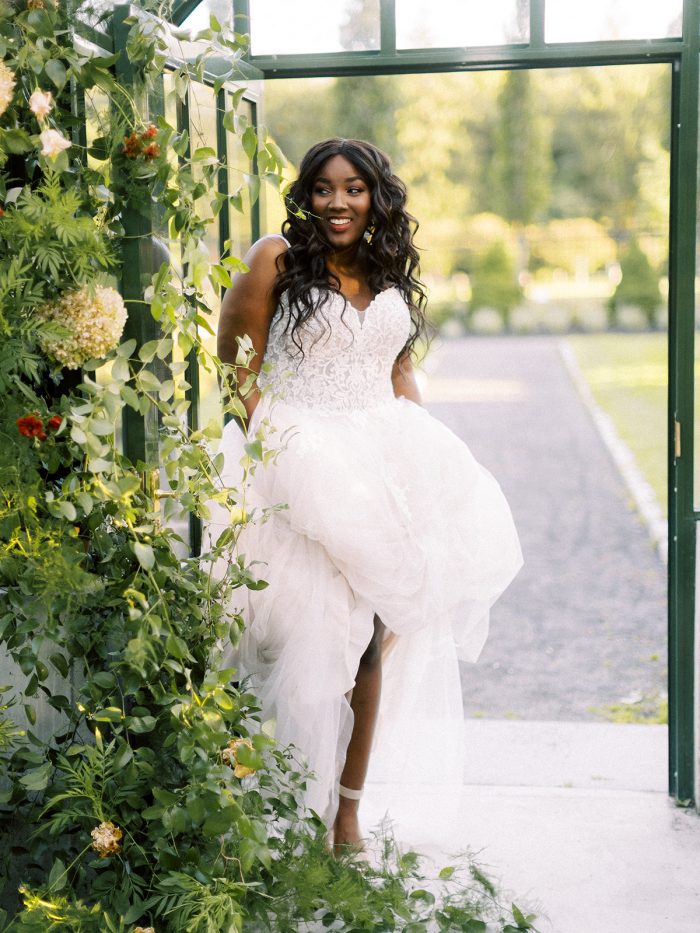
(584, 624)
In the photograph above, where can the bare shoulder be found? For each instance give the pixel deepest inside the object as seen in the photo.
(263, 255)
(249, 304)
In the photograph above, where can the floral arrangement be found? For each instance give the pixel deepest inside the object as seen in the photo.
(139, 793)
(87, 325)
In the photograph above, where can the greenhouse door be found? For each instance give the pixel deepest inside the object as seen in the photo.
(536, 39)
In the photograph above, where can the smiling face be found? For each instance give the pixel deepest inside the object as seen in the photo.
(341, 198)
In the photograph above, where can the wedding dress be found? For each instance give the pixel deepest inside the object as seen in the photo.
(384, 511)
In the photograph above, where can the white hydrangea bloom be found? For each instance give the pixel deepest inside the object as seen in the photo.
(7, 86)
(95, 321)
(40, 103)
(53, 142)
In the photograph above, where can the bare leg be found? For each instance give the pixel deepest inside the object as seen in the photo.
(365, 706)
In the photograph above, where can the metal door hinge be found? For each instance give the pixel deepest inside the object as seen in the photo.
(676, 439)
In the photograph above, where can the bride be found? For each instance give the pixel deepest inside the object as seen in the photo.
(393, 543)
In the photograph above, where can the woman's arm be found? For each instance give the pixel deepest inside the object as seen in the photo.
(403, 378)
(247, 309)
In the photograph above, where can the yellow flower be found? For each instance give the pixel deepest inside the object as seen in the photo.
(105, 839)
(52, 143)
(94, 321)
(144, 930)
(40, 103)
(7, 86)
(230, 756)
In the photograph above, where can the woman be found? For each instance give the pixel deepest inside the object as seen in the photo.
(393, 542)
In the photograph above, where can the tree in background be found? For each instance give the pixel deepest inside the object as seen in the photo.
(610, 146)
(639, 286)
(522, 164)
(361, 107)
(493, 282)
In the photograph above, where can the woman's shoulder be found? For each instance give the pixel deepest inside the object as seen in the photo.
(263, 260)
(272, 244)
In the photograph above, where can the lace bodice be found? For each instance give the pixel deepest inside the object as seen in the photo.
(348, 354)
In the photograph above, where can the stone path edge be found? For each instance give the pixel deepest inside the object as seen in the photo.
(644, 497)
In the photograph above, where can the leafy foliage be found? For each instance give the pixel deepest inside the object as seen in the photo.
(118, 806)
(494, 283)
(639, 285)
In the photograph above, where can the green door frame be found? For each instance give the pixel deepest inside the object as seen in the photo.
(682, 55)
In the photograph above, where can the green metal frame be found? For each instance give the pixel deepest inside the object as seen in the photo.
(682, 55)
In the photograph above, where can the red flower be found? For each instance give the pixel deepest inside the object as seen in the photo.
(31, 426)
(2, 212)
(151, 151)
(54, 422)
(132, 146)
(150, 132)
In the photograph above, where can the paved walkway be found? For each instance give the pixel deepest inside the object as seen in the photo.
(584, 624)
(571, 818)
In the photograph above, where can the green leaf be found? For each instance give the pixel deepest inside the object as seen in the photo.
(120, 369)
(67, 509)
(15, 141)
(140, 724)
(102, 427)
(220, 821)
(37, 778)
(99, 465)
(254, 450)
(204, 153)
(57, 876)
(250, 142)
(55, 70)
(41, 23)
(127, 348)
(85, 501)
(60, 663)
(104, 679)
(148, 351)
(130, 397)
(254, 187)
(144, 554)
(99, 149)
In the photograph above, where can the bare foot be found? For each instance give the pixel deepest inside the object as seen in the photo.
(347, 835)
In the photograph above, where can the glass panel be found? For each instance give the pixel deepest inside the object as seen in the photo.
(607, 20)
(443, 23)
(203, 118)
(199, 17)
(280, 27)
(239, 166)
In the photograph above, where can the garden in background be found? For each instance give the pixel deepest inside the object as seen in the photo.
(139, 790)
(542, 198)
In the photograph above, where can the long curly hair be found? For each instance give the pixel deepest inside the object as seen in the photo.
(390, 260)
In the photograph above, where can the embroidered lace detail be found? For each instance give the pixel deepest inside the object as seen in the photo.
(348, 357)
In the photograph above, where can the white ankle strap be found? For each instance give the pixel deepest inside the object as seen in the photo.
(349, 792)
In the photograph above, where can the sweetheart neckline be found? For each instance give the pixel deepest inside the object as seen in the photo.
(361, 314)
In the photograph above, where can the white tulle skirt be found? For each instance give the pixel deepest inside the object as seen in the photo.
(386, 512)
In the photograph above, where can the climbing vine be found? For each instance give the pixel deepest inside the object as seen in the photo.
(139, 789)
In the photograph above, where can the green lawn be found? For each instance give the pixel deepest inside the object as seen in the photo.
(627, 374)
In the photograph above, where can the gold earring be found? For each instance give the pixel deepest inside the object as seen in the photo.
(368, 234)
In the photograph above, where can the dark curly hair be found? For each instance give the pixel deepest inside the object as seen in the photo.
(391, 260)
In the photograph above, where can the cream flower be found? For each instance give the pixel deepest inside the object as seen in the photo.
(230, 756)
(94, 320)
(40, 103)
(144, 930)
(7, 86)
(105, 839)
(53, 142)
